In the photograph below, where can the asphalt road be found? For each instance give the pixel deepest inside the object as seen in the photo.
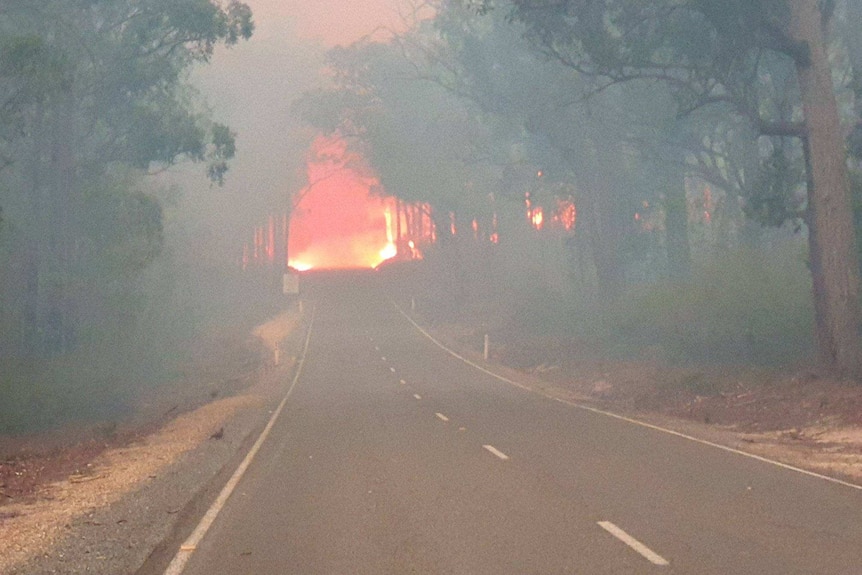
(394, 457)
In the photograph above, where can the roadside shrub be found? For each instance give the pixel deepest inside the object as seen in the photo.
(751, 305)
(143, 340)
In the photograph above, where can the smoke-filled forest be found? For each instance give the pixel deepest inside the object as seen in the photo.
(658, 175)
(671, 178)
(430, 286)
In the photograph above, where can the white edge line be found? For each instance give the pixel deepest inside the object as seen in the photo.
(178, 564)
(496, 452)
(442, 417)
(642, 549)
(629, 419)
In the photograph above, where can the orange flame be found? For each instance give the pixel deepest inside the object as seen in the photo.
(340, 220)
(537, 218)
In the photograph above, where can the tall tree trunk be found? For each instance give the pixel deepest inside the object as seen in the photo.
(41, 225)
(832, 240)
(398, 232)
(448, 268)
(605, 225)
(64, 190)
(676, 228)
(286, 241)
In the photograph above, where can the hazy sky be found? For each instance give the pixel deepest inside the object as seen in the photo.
(329, 21)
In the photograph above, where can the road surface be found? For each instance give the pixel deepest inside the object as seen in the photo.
(391, 456)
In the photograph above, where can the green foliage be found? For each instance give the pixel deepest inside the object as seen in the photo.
(145, 337)
(749, 305)
(43, 395)
(776, 195)
(222, 149)
(30, 72)
(163, 131)
(124, 232)
(724, 63)
(93, 97)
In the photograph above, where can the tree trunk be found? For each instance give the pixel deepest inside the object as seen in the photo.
(605, 226)
(832, 240)
(676, 228)
(285, 240)
(64, 191)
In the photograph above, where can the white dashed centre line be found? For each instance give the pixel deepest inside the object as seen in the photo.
(392, 369)
(383, 358)
(642, 549)
(403, 382)
(496, 452)
(417, 396)
(441, 417)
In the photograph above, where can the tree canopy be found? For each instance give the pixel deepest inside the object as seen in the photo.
(93, 96)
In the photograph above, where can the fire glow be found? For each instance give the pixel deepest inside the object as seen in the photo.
(373, 230)
(343, 227)
(564, 216)
(340, 222)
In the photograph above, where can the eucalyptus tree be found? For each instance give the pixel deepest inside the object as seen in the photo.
(95, 97)
(717, 53)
